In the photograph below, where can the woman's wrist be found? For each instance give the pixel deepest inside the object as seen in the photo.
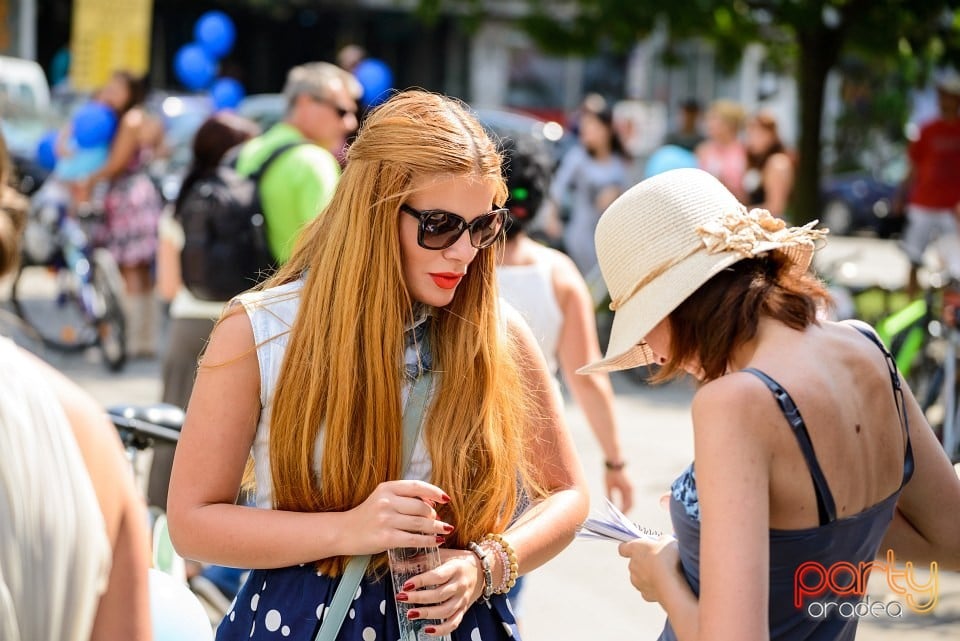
(614, 464)
(485, 565)
(507, 557)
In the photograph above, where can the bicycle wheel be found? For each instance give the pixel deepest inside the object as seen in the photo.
(48, 299)
(106, 284)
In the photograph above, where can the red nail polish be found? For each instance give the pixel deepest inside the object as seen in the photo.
(441, 539)
(446, 499)
(430, 629)
(409, 585)
(413, 614)
(402, 596)
(448, 528)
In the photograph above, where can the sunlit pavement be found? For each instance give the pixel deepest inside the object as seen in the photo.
(585, 593)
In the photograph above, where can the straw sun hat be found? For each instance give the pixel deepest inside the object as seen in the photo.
(668, 235)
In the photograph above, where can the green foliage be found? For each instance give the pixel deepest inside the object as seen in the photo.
(808, 36)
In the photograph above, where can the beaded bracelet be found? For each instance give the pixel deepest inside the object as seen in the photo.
(500, 553)
(485, 565)
(510, 569)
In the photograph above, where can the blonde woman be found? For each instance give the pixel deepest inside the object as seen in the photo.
(722, 153)
(396, 280)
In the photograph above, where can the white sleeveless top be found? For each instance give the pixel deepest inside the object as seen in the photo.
(55, 554)
(272, 312)
(529, 289)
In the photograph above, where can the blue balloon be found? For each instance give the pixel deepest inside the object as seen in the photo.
(194, 68)
(215, 32)
(376, 79)
(669, 157)
(47, 151)
(226, 93)
(94, 124)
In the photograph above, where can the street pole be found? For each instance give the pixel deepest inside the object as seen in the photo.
(27, 29)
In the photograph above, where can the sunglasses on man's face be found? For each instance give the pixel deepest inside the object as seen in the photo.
(343, 113)
(440, 229)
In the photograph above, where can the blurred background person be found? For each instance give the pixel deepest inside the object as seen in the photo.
(548, 290)
(191, 321)
(349, 56)
(132, 204)
(322, 110)
(933, 181)
(687, 134)
(722, 153)
(591, 175)
(768, 180)
(74, 550)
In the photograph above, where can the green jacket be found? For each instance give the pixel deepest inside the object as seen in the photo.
(297, 186)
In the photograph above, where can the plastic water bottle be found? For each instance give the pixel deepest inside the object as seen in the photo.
(406, 563)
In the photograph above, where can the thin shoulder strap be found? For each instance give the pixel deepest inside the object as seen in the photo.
(826, 509)
(413, 414)
(898, 398)
(276, 153)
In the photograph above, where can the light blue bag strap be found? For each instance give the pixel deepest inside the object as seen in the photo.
(413, 413)
(335, 614)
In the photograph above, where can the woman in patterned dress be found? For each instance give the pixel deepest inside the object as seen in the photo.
(309, 375)
(132, 204)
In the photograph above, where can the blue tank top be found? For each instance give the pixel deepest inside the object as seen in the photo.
(852, 539)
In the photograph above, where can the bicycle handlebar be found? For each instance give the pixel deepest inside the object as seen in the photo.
(140, 427)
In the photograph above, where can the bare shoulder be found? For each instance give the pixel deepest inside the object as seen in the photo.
(562, 263)
(133, 119)
(567, 279)
(780, 163)
(232, 338)
(735, 404)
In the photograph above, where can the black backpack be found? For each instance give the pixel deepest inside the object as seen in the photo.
(225, 247)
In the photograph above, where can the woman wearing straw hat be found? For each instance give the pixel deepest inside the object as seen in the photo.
(810, 449)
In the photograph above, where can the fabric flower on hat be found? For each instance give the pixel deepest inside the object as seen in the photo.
(750, 232)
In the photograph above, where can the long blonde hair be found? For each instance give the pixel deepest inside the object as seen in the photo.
(343, 365)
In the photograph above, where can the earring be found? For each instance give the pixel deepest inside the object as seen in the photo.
(663, 360)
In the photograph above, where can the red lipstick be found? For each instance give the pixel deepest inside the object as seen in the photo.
(447, 280)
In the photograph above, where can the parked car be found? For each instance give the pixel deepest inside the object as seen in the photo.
(265, 109)
(505, 123)
(863, 201)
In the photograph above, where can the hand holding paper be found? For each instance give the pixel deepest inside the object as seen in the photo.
(612, 525)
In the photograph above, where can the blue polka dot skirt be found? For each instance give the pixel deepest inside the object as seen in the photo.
(289, 604)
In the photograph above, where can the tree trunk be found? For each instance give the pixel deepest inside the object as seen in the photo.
(819, 50)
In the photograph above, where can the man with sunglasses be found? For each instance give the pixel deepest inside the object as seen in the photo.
(322, 110)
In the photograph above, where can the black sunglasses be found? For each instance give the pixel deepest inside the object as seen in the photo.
(440, 229)
(340, 110)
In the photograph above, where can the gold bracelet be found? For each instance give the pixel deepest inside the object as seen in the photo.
(513, 569)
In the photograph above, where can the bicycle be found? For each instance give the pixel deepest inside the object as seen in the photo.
(924, 338)
(140, 427)
(68, 290)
